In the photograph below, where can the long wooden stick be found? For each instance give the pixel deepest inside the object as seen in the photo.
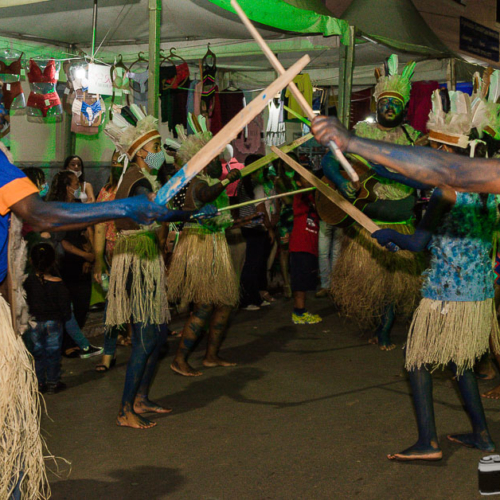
(227, 134)
(267, 198)
(330, 193)
(249, 169)
(293, 88)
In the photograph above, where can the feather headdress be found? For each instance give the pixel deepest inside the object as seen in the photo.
(450, 121)
(392, 84)
(485, 105)
(130, 129)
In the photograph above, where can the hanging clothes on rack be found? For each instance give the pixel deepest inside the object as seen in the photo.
(303, 82)
(88, 113)
(275, 131)
(232, 101)
(11, 89)
(43, 99)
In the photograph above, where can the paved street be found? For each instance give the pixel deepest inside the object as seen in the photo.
(310, 412)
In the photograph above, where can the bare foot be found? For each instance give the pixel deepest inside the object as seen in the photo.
(473, 441)
(143, 405)
(216, 361)
(131, 419)
(388, 347)
(183, 368)
(418, 452)
(492, 393)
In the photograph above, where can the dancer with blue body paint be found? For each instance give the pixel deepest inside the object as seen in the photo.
(137, 286)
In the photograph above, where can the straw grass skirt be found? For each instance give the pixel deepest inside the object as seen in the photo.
(21, 446)
(444, 332)
(367, 278)
(137, 285)
(201, 270)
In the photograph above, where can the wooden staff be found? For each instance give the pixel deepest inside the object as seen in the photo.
(267, 198)
(330, 193)
(293, 88)
(227, 134)
(249, 169)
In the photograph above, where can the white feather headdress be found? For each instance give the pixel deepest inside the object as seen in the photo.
(130, 129)
(485, 106)
(392, 84)
(450, 121)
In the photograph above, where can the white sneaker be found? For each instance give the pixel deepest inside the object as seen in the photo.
(251, 307)
(265, 303)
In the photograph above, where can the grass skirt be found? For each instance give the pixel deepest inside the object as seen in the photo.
(443, 331)
(367, 278)
(137, 285)
(21, 446)
(202, 271)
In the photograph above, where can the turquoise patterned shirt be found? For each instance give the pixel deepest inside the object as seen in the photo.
(461, 267)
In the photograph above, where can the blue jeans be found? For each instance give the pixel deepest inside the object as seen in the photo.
(329, 243)
(44, 341)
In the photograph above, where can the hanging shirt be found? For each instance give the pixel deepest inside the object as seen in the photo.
(232, 164)
(14, 186)
(304, 84)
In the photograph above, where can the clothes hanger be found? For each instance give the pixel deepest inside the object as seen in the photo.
(140, 59)
(209, 54)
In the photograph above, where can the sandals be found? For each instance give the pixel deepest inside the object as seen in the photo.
(101, 368)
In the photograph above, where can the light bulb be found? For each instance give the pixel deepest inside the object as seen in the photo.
(80, 73)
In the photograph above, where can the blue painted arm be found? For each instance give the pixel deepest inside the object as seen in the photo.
(440, 204)
(331, 169)
(394, 176)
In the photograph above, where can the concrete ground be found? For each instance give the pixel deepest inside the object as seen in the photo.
(310, 412)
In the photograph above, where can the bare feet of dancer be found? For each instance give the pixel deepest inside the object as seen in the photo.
(492, 393)
(183, 368)
(212, 361)
(481, 442)
(143, 405)
(128, 418)
(383, 346)
(418, 452)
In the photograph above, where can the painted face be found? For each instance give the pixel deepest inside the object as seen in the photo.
(75, 165)
(390, 112)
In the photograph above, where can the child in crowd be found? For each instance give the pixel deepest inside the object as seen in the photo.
(303, 248)
(49, 303)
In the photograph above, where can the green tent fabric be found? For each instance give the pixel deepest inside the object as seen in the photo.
(397, 24)
(299, 16)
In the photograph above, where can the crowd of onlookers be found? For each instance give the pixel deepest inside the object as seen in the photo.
(274, 247)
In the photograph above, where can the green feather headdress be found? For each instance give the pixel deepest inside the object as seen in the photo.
(392, 84)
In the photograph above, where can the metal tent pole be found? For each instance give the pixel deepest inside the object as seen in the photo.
(94, 29)
(345, 78)
(154, 57)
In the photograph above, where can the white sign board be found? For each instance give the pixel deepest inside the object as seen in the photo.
(100, 80)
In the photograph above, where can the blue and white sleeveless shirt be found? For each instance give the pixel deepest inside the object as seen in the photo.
(461, 267)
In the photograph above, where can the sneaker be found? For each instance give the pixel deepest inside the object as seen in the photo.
(265, 303)
(251, 307)
(306, 319)
(321, 293)
(90, 352)
(55, 388)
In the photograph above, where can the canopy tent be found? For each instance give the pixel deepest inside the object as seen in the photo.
(396, 24)
(125, 22)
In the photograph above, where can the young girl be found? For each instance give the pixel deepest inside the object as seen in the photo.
(75, 164)
(49, 304)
